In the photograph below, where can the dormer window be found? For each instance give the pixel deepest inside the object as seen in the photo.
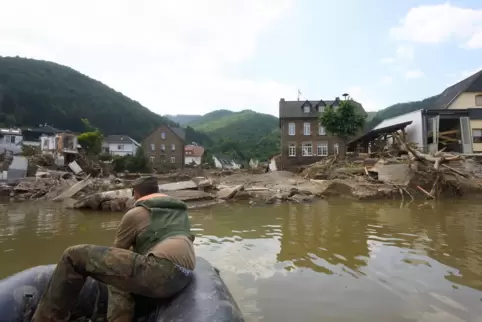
(321, 108)
(306, 109)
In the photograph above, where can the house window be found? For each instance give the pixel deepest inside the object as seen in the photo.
(336, 148)
(12, 139)
(321, 130)
(306, 109)
(151, 159)
(291, 128)
(307, 150)
(307, 128)
(120, 147)
(153, 147)
(163, 147)
(478, 100)
(322, 149)
(321, 108)
(163, 135)
(173, 159)
(477, 135)
(173, 147)
(292, 150)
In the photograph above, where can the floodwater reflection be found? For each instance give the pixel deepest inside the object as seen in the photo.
(329, 261)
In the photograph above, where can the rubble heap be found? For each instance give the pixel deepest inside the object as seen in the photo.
(401, 172)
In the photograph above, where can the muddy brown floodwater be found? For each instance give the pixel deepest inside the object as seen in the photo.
(327, 261)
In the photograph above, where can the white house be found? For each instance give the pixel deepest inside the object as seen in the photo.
(224, 162)
(63, 146)
(11, 139)
(120, 145)
(193, 154)
(414, 132)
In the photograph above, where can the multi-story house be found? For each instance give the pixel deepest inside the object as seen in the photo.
(164, 147)
(119, 145)
(453, 121)
(303, 139)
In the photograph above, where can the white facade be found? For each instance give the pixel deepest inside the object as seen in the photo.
(121, 149)
(414, 131)
(272, 165)
(10, 137)
(253, 163)
(191, 159)
(231, 165)
(50, 145)
(11, 140)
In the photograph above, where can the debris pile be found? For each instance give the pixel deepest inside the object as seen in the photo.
(402, 172)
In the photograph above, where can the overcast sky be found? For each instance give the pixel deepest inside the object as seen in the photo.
(193, 56)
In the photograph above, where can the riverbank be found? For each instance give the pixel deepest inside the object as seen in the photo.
(383, 181)
(362, 177)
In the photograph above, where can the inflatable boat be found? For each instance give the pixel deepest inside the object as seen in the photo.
(207, 298)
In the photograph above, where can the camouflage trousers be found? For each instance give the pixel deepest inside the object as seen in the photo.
(125, 273)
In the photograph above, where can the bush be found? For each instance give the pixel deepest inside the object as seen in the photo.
(131, 163)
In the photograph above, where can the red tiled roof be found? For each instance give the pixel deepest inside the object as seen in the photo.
(193, 150)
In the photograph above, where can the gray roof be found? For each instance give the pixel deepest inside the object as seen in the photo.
(472, 83)
(120, 139)
(44, 129)
(179, 132)
(294, 109)
(10, 131)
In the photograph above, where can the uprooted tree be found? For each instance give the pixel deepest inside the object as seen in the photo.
(343, 121)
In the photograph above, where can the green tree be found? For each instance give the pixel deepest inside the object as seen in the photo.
(91, 140)
(343, 121)
(131, 163)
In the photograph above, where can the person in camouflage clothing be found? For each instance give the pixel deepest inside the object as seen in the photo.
(159, 265)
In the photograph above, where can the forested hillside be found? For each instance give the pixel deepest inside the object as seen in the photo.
(401, 108)
(246, 134)
(182, 119)
(34, 92)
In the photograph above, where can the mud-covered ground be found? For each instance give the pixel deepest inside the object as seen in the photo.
(362, 179)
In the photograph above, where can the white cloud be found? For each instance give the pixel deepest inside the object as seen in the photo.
(171, 56)
(388, 60)
(461, 75)
(413, 74)
(387, 80)
(369, 103)
(433, 24)
(403, 53)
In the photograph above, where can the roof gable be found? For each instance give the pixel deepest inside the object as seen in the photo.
(472, 83)
(294, 109)
(195, 151)
(179, 132)
(120, 139)
(321, 103)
